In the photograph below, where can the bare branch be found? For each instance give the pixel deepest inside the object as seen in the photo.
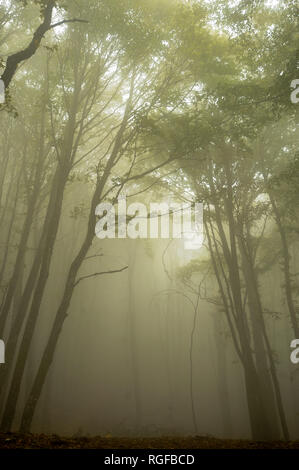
(74, 20)
(100, 274)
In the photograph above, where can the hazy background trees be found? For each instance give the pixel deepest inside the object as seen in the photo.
(171, 100)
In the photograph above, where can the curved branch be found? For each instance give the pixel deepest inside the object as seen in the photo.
(14, 60)
(74, 20)
(100, 274)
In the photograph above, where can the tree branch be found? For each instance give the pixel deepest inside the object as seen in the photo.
(100, 274)
(14, 60)
(74, 20)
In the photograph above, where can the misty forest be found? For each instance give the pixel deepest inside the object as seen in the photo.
(161, 101)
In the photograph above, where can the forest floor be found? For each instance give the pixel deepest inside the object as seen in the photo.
(41, 441)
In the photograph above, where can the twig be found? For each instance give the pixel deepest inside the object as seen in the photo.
(74, 20)
(100, 274)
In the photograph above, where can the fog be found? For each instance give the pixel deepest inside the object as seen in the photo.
(149, 336)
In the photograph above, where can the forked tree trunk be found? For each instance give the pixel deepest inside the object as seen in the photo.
(19, 369)
(263, 350)
(62, 311)
(13, 282)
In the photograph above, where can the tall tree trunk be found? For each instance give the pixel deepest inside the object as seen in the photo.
(257, 414)
(286, 267)
(221, 348)
(13, 282)
(133, 337)
(61, 313)
(11, 343)
(10, 226)
(41, 265)
(261, 342)
(19, 369)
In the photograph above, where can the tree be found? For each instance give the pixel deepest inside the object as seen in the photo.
(14, 60)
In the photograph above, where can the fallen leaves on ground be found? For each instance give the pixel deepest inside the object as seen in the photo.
(42, 441)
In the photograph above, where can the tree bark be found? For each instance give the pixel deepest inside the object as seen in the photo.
(14, 60)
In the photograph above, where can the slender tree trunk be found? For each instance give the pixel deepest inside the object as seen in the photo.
(11, 343)
(19, 369)
(221, 348)
(261, 341)
(133, 336)
(257, 414)
(257, 417)
(286, 267)
(61, 314)
(4, 164)
(10, 226)
(24, 238)
(41, 266)
(60, 317)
